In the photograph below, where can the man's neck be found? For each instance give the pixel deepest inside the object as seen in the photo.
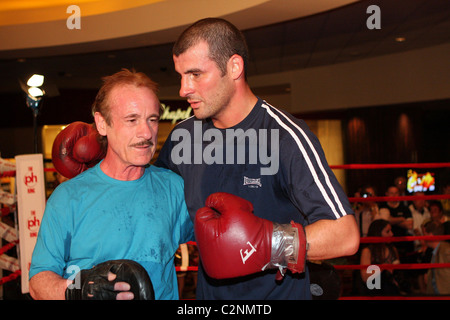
(237, 110)
(120, 171)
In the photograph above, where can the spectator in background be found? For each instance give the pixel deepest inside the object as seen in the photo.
(378, 254)
(401, 220)
(446, 202)
(438, 279)
(420, 214)
(425, 254)
(400, 183)
(437, 212)
(398, 215)
(368, 210)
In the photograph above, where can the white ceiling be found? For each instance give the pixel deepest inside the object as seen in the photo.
(334, 36)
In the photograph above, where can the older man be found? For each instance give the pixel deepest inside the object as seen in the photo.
(119, 209)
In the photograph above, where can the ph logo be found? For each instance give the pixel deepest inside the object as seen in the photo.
(31, 180)
(33, 223)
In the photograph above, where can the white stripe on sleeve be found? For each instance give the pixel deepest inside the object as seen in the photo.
(309, 163)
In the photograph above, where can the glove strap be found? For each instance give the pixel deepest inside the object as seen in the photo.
(297, 265)
(288, 248)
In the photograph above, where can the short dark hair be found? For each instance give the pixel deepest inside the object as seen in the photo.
(223, 39)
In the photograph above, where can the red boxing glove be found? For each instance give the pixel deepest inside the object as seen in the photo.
(76, 148)
(233, 242)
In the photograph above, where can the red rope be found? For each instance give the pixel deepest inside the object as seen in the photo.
(383, 266)
(400, 198)
(8, 246)
(6, 174)
(396, 298)
(392, 165)
(11, 277)
(389, 239)
(341, 166)
(5, 211)
(409, 266)
(400, 239)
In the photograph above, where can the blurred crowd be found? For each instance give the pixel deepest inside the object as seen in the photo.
(419, 217)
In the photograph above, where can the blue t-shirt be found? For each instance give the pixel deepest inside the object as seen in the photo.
(274, 161)
(94, 218)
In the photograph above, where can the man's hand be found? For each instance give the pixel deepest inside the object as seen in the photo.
(111, 280)
(123, 287)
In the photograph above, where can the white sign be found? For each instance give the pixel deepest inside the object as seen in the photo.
(175, 115)
(31, 205)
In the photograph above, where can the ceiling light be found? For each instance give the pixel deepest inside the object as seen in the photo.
(36, 80)
(35, 92)
(400, 39)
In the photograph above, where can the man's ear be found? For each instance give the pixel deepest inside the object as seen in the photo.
(100, 123)
(236, 66)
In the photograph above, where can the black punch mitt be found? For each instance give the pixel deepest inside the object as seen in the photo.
(93, 284)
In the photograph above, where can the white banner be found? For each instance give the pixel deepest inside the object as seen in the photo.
(31, 204)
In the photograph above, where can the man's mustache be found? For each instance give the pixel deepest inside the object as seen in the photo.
(143, 143)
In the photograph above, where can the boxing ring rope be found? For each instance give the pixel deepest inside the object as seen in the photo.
(402, 266)
(399, 198)
(411, 266)
(392, 165)
(10, 277)
(8, 246)
(405, 238)
(395, 298)
(17, 273)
